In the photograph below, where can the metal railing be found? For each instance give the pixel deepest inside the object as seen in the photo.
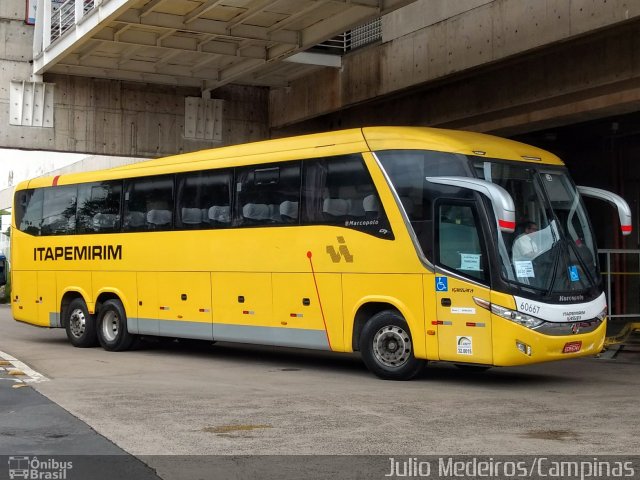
(357, 37)
(621, 271)
(63, 14)
(365, 34)
(63, 17)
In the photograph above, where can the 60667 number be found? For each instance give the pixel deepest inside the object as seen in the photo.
(529, 308)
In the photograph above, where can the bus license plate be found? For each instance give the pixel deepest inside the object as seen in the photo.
(572, 347)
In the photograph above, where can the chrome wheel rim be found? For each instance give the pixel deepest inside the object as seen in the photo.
(392, 346)
(110, 326)
(77, 323)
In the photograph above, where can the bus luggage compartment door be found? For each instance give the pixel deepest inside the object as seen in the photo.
(24, 296)
(184, 305)
(34, 298)
(463, 328)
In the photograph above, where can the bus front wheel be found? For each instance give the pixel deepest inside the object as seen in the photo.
(387, 349)
(112, 327)
(79, 324)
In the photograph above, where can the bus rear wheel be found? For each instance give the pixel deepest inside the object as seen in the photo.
(112, 327)
(387, 349)
(79, 324)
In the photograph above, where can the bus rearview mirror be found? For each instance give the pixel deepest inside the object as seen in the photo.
(624, 211)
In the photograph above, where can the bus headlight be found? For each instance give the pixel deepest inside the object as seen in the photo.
(517, 317)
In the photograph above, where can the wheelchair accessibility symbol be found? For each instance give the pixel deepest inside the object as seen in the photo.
(442, 284)
(573, 273)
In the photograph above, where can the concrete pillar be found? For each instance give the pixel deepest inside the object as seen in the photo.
(38, 29)
(46, 25)
(79, 10)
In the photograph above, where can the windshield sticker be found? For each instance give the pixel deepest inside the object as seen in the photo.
(548, 177)
(470, 262)
(463, 310)
(465, 345)
(574, 276)
(524, 269)
(442, 284)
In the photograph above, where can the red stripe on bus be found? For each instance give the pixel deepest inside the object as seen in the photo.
(315, 282)
(55, 180)
(507, 224)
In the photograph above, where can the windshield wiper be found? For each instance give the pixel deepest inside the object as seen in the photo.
(581, 261)
(556, 261)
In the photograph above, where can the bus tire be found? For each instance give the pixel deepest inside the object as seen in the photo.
(387, 349)
(79, 324)
(112, 327)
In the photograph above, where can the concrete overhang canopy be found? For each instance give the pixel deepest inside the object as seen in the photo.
(200, 43)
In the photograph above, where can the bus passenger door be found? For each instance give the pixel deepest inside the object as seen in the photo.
(463, 327)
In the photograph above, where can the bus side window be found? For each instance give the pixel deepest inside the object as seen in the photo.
(29, 211)
(340, 191)
(148, 203)
(204, 199)
(99, 207)
(459, 244)
(268, 194)
(59, 210)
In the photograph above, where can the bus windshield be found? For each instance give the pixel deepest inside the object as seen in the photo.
(552, 250)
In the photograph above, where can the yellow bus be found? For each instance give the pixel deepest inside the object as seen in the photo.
(405, 244)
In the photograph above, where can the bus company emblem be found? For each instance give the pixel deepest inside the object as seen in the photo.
(86, 252)
(343, 251)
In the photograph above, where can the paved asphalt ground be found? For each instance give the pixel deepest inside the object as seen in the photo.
(173, 398)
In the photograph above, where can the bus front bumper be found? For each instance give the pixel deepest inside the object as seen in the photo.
(518, 345)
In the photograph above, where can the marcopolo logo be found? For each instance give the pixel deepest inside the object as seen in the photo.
(86, 252)
(343, 251)
(36, 469)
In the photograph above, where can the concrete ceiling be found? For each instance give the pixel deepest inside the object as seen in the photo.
(204, 43)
